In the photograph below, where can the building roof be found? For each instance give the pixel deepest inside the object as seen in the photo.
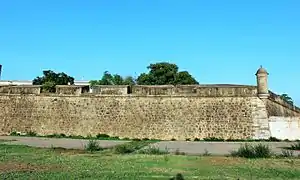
(261, 70)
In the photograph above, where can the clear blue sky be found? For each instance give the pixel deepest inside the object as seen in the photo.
(217, 41)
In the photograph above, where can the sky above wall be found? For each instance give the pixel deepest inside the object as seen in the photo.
(217, 41)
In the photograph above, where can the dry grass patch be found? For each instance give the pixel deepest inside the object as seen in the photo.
(215, 160)
(9, 167)
(65, 151)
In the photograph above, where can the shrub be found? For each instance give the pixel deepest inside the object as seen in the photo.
(236, 140)
(76, 137)
(177, 152)
(173, 139)
(93, 146)
(89, 136)
(146, 139)
(123, 149)
(246, 151)
(295, 146)
(206, 153)
(155, 140)
(136, 139)
(129, 147)
(154, 151)
(52, 136)
(14, 133)
(196, 139)
(56, 135)
(256, 151)
(287, 153)
(31, 133)
(188, 139)
(262, 151)
(126, 139)
(274, 139)
(213, 139)
(177, 177)
(62, 135)
(99, 136)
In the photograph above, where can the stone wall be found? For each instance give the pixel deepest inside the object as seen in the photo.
(284, 118)
(160, 117)
(141, 90)
(71, 89)
(197, 90)
(285, 127)
(111, 90)
(161, 112)
(24, 89)
(278, 107)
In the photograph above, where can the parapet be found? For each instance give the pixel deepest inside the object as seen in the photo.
(186, 89)
(153, 90)
(226, 90)
(111, 89)
(277, 99)
(214, 90)
(71, 89)
(20, 89)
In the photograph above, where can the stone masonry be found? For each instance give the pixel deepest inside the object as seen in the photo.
(154, 112)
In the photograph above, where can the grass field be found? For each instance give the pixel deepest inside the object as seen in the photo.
(21, 162)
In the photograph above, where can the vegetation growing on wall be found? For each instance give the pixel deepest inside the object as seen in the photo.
(287, 98)
(50, 79)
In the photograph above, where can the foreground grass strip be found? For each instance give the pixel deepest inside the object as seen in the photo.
(137, 166)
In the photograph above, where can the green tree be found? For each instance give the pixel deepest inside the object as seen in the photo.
(164, 73)
(50, 79)
(287, 98)
(116, 79)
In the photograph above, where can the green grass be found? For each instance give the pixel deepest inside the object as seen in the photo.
(21, 162)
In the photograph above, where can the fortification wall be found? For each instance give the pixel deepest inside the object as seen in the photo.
(161, 117)
(278, 107)
(160, 112)
(284, 118)
(21, 89)
(285, 127)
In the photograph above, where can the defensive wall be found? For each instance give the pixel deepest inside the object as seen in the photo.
(159, 112)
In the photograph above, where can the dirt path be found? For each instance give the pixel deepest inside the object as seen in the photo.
(56, 142)
(214, 148)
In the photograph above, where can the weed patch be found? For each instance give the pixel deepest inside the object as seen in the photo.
(178, 152)
(295, 146)
(287, 153)
(93, 146)
(206, 153)
(214, 139)
(31, 134)
(253, 151)
(154, 151)
(130, 147)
